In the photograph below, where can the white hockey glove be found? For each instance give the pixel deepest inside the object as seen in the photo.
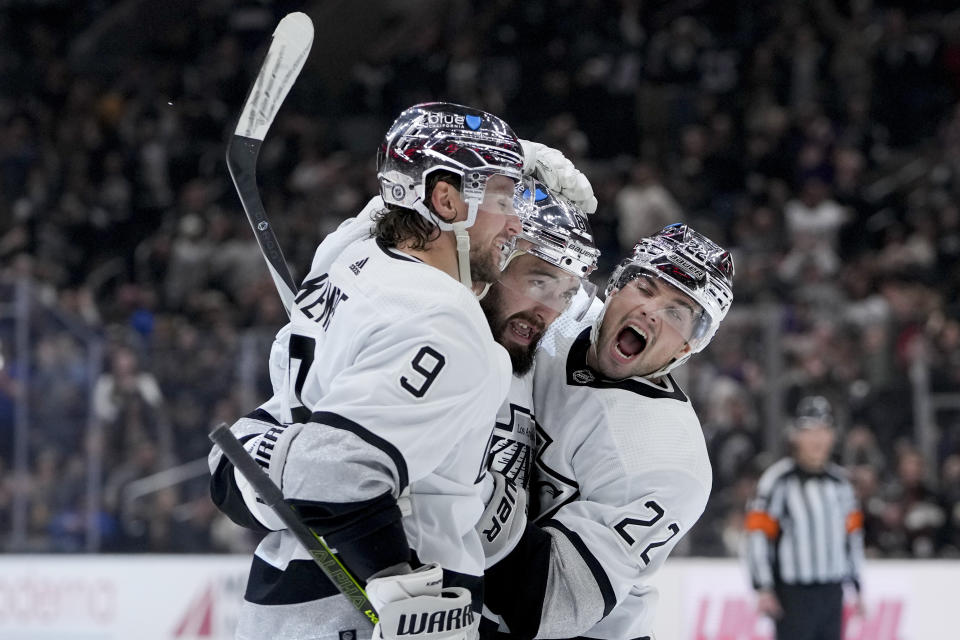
(269, 449)
(415, 606)
(504, 519)
(553, 169)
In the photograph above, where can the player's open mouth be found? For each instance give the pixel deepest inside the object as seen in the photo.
(631, 341)
(521, 331)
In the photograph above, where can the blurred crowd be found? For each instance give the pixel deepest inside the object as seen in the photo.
(819, 141)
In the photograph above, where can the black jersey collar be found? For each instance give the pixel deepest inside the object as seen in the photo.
(581, 374)
(395, 253)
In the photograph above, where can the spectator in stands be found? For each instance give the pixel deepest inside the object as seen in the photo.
(822, 143)
(129, 405)
(644, 206)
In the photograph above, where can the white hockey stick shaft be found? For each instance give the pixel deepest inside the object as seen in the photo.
(286, 56)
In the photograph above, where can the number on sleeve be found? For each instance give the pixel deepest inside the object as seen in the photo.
(428, 362)
(302, 349)
(632, 543)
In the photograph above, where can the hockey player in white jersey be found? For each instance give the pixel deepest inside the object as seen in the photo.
(387, 380)
(548, 267)
(621, 472)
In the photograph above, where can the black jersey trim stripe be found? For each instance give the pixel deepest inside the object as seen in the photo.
(603, 582)
(395, 254)
(580, 374)
(264, 416)
(339, 422)
(300, 415)
(301, 581)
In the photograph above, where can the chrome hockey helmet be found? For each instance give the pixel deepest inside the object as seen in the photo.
(557, 231)
(693, 264)
(441, 136)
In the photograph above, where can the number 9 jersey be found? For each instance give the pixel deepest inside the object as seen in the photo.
(390, 380)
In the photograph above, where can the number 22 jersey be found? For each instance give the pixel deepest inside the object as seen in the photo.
(621, 474)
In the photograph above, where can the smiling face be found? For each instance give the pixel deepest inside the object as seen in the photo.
(646, 325)
(529, 295)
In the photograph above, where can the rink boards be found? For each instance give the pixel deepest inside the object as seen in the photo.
(62, 597)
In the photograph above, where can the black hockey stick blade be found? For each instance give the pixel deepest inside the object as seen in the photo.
(273, 498)
(285, 57)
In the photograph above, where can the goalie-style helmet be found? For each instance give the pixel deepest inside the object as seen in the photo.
(690, 262)
(435, 136)
(558, 231)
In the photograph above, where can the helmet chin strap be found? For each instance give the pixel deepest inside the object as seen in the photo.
(463, 253)
(463, 241)
(460, 231)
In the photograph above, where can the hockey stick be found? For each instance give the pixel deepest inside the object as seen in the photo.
(286, 56)
(273, 498)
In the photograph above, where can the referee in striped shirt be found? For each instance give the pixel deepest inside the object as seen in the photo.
(805, 532)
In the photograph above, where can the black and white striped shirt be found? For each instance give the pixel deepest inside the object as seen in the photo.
(804, 528)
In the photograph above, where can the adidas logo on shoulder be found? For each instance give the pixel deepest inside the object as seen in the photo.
(356, 266)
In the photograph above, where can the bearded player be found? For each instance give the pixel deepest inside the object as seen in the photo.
(621, 471)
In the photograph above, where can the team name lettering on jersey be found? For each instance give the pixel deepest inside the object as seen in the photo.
(327, 294)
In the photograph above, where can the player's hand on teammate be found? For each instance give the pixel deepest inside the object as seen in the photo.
(768, 604)
(414, 604)
(553, 169)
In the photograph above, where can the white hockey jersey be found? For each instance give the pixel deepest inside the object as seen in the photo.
(621, 474)
(392, 369)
